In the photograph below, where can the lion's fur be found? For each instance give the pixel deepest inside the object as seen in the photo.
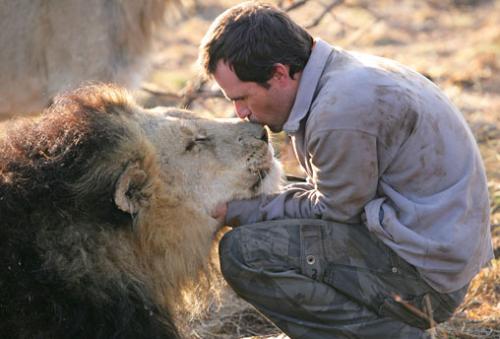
(50, 46)
(105, 209)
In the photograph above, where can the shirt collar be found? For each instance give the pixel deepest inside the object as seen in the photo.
(308, 83)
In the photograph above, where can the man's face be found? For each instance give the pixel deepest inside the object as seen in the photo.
(266, 106)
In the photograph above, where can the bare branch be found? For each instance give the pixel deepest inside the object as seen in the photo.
(171, 96)
(367, 8)
(409, 307)
(326, 10)
(295, 5)
(194, 90)
(429, 311)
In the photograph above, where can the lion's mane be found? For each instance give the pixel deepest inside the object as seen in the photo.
(61, 276)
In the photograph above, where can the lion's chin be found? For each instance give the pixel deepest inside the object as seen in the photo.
(271, 180)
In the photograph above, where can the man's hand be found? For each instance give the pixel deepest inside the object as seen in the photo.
(220, 212)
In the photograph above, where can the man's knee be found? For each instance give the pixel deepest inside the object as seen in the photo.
(231, 256)
(252, 252)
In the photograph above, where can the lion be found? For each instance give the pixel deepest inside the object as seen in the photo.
(50, 46)
(106, 212)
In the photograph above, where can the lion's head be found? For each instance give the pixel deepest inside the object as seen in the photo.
(101, 198)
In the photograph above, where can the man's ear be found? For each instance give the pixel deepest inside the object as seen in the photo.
(281, 72)
(130, 189)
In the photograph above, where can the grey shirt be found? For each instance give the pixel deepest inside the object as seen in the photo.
(377, 139)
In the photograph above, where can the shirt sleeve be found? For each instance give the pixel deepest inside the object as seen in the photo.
(343, 177)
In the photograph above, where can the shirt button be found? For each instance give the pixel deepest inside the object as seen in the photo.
(394, 270)
(310, 259)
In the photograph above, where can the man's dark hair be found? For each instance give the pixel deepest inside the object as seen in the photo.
(251, 38)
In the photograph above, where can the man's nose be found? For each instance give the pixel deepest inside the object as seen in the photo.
(241, 110)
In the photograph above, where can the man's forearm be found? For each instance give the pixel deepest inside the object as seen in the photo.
(297, 201)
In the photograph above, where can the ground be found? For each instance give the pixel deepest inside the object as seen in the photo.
(455, 43)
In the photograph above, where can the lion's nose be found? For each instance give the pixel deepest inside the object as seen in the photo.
(264, 136)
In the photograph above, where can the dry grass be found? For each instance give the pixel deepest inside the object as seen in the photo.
(456, 43)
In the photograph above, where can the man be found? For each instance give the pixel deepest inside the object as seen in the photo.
(393, 221)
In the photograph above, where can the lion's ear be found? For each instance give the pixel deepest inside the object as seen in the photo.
(129, 189)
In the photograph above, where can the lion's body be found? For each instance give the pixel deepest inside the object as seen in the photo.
(49, 46)
(106, 213)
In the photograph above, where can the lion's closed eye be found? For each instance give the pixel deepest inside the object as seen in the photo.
(201, 139)
(198, 140)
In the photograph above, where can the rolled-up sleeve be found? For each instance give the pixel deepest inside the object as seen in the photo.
(343, 176)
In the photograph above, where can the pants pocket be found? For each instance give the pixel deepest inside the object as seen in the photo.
(359, 284)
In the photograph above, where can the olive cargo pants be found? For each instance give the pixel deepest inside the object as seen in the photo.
(319, 279)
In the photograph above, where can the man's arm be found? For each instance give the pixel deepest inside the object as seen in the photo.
(342, 179)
